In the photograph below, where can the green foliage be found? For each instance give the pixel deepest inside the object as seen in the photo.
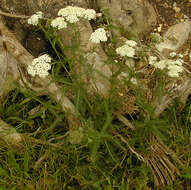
(92, 157)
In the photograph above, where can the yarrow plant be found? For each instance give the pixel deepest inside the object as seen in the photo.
(174, 67)
(98, 36)
(73, 14)
(70, 14)
(59, 23)
(34, 19)
(40, 66)
(128, 49)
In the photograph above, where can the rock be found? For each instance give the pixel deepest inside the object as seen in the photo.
(175, 37)
(97, 74)
(98, 80)
(8, 69)
(133, 15)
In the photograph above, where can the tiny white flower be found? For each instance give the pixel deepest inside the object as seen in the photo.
(152, 60)
(45, 58)
(34, 19)
(180, 56)
(160, 64)
(98, 36)
(31, 71)
(174, 66)
(71, 13)
(72, 18)
(43, 74)
(131, 43)
(174, 70)
(126, 50)
(89, 14)
(172, 54)
(59, 23)
(179, 62)
(40, 66)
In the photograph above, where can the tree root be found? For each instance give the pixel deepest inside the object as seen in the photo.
(24, 58)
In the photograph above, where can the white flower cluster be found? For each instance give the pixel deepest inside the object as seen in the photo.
(174, 67)
(72, 14)
(33, 20)
(90, 14)
(98, 36)
(152, 60)
(174, 54)
(128, 49)
(40, 66)
(59, 23)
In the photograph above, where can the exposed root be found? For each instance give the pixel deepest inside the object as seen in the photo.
(158, 159)
(42, 86)
(182, 92)
(163, 170)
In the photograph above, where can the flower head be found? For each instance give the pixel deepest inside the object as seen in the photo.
(71, 13)
(59, 23)
(161, 64)
(40, 66)
(172, 54)
(98, 36)
(126, 50)
(174, 67)
(90, 14)
(131, 43)
(174, 70)
(152, 60)
(33, 20)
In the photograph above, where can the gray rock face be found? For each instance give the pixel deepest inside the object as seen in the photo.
(133, 15)
(8, 68)
(175, 37)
